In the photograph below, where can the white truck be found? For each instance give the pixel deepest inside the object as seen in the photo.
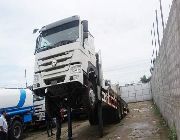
(22, 108)
(39, 108)
(68, 68)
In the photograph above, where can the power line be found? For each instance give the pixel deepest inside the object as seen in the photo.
(131, 71)
(121, 67)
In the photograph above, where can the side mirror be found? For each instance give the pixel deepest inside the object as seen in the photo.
(36, 45)
(85, 25)
(31, 88)
(35, 30)
(85, 29)
(107, 83)
(85, 35)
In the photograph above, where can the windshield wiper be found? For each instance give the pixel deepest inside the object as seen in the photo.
(43, 48)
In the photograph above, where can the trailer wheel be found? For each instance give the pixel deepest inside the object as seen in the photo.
(16, 130)
(128, 110)
(122, 112)
(118, 114)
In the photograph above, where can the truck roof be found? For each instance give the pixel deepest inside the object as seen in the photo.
(60, 22)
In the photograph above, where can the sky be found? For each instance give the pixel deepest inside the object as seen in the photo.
(121, 30)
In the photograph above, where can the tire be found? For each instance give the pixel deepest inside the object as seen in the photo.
(122, 112)
(16, 130)
(128, 110)
(91, 96)
(118, 115)
(90, 102)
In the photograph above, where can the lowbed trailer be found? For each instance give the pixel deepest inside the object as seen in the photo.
(68, 72)
(114, 107)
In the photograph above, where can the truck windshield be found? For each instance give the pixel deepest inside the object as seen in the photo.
(57, 36)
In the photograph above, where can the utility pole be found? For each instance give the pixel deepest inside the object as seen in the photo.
(157, 29)
(152, 38)
(25, 78)
(162, 18)
(154, 32)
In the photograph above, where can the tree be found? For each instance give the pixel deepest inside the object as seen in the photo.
(144, 79)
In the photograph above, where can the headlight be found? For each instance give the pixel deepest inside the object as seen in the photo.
(74, 77)
(36, 78)
(76, 69)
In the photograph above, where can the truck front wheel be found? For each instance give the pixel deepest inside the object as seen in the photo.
(92, 96)
(16, 130)
(90, 103)
(89, 97)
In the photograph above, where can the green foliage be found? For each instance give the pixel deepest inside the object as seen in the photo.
(156, 110)
(172, 134)
(144, 79)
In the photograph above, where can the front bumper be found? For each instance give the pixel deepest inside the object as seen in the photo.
(58, 79)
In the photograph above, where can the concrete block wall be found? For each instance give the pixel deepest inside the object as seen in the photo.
(136, 93)
(165, 82)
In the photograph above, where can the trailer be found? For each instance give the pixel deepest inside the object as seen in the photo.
(112, 103)
(68, 72)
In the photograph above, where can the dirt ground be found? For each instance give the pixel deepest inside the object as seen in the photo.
(142, 123)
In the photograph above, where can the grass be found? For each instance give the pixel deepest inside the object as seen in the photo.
(172, 135)
(156, 110)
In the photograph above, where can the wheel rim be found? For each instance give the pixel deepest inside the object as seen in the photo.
(92, 97)
(17, 131)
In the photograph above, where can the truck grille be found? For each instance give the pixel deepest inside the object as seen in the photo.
(48, 70)
(38, 109)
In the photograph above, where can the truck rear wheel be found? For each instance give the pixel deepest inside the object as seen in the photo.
(16, 130)
(118, 114)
